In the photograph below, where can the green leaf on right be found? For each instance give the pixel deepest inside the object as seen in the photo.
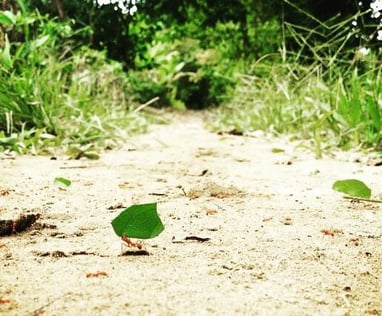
(138, 221)
(353, 188)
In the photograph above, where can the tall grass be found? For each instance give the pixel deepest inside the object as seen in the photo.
(53, 94)
(325, 91)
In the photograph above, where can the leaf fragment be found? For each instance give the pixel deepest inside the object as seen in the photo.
(62, 182)
(138, 221)
(278, 150)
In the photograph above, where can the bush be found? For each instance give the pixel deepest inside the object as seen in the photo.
(180, 73)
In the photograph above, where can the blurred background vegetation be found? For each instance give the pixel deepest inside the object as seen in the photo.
(80, 76)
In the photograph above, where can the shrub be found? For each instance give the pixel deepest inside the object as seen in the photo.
(180, 72)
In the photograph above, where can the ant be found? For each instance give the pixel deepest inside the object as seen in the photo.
(132, 244)
(14, 223)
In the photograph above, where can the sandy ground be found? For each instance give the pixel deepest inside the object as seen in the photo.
(247, 231)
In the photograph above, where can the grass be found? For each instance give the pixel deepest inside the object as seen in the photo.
(324, 92)
(81, 109)
(55, 96)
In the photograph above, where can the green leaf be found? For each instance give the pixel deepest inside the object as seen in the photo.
(7, 17)
(278, 150)
(62, 182)
(40, 41)
(138, 221)
(5, 55)
(353, 187)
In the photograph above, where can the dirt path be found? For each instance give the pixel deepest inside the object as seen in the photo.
(274, 239)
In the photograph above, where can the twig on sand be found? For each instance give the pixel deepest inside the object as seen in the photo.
(41, 310)
(362, 199)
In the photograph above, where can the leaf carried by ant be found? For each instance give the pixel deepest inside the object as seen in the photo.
(138, 221)
(353, 188)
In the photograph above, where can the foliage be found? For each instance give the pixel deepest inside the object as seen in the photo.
(23, 63)
(71, 71)
(53, 93)
(325, 92)
(190, 61)
(180, 72)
